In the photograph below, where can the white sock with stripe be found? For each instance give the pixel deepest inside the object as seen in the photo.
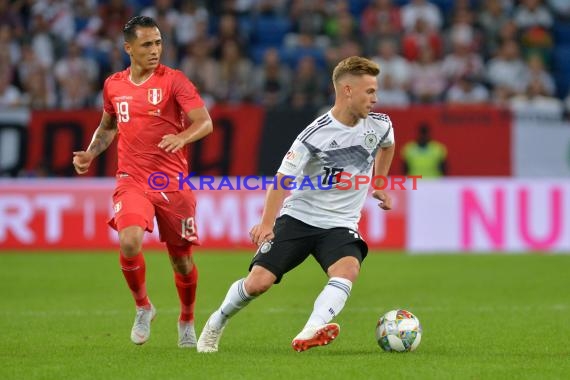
(330, 301)
(236, 299)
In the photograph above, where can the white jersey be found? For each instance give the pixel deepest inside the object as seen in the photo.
(321, 152)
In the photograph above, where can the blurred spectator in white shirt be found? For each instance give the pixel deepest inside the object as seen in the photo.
(10, 96)
(560, 7)
(421, 9)
(531, 13)
(59, 16)
(491, 20)
(393, 64)
(467, 90)
(76, 76)
(187, 27)
(427, 82)
(390, 94)
(42, 41)
(507, 69)
(536, 71)
(535, 103)
(462, 61)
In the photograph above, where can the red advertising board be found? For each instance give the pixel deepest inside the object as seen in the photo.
(72, 214)
(478, 138)
(232, 149)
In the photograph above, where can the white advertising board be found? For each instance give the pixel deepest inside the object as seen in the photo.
(489, 215)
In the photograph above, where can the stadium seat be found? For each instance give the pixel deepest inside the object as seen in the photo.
(270, 31)
(400, 3)
(562, 79)
(444, 5)
(357, 7)
(561, 58)
(293, 56)
(561, 31)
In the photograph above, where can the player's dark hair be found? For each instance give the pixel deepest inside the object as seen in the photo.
(130, 29)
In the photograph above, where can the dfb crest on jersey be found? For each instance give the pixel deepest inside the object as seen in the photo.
(154, 96)
(370, 140)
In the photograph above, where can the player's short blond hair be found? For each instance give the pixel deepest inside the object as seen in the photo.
(355, 66)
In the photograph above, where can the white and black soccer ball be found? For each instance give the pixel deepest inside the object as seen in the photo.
(398, 330)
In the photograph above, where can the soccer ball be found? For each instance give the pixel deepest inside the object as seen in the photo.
(398, 330)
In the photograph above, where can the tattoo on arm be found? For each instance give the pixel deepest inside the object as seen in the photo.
(103, 136)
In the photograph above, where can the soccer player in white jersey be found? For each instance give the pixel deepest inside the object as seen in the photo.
(318, 220)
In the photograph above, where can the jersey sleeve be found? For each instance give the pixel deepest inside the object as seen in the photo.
(387, 137)
(107, 103)
(185, 93)
(295, 159)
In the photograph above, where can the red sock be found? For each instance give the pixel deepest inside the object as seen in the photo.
(186, 286)
(134, 271)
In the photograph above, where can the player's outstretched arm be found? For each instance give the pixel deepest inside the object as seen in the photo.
(201, 126)
(102, 138)
(382, 163)
(273, 201)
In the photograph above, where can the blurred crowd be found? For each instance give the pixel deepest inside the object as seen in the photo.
(55, 54)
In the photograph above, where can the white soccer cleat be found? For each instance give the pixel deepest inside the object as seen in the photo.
(209, 338)
(141, 328)
(315, 336)
(186, 334)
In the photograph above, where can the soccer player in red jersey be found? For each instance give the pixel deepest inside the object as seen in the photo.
(156, 111)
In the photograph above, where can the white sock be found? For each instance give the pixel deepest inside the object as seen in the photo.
(330, 302)
(236, 299)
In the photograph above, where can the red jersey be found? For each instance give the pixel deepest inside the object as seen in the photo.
(145, 112)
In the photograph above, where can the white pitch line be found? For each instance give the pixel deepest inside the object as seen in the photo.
(283, 310)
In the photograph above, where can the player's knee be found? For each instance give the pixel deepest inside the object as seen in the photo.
(130, 240)
(347, 267)
(181, 258)
(183, 268)
(130, 244)
(259, 281)
(182, 265)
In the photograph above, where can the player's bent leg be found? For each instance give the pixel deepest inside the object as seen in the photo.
(318, 330)
(258, 281)
(314, 336)
(347, 267)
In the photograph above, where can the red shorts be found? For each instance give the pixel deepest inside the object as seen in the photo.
(174, 211)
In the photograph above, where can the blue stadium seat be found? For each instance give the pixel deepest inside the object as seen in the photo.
(293, 56)
(561, 58)
(561, 31)
(400, 3)
(562, 79)
(270, 31)
(357, 6)
(444, 5)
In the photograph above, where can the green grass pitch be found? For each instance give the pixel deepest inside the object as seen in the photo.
(68, 316)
